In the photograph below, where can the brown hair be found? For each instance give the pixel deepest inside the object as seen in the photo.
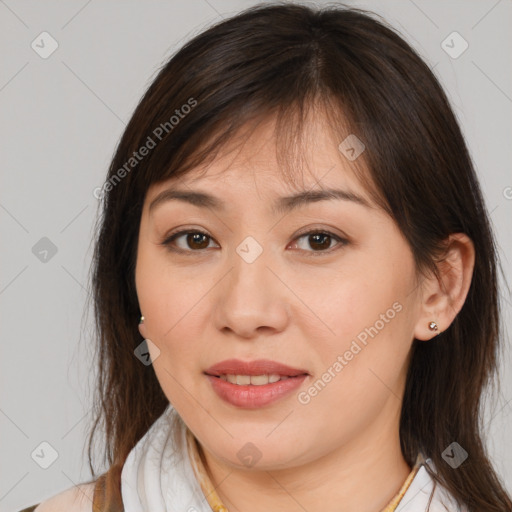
(282, 60)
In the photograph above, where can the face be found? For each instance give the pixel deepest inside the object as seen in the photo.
(327, 287)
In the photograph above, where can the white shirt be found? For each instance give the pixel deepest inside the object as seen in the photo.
(159, 474)
(418, 494)
(414, 500)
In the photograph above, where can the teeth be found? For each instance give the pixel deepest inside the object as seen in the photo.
(243, 380)
(255, 380)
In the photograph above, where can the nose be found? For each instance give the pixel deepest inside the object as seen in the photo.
(251, 299)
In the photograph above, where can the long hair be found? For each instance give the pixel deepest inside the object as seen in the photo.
(290, 61)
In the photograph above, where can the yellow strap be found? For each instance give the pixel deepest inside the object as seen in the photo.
(216, 503)
(393, 504)
(202, 477)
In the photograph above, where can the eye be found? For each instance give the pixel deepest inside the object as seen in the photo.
(320, 241)
(196, 241)
(193, 239)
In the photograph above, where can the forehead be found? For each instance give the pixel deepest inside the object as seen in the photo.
(259, 159)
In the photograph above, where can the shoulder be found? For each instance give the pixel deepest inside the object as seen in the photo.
(75, 499)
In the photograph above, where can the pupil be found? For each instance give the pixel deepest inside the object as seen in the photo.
(196, 238)
(321, 236)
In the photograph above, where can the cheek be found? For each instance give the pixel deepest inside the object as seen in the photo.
(371, 333)
(359, 370)
(170, 323)
(171, 301)
(359, 302)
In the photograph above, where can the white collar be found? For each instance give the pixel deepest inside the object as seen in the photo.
(417, 496)
(157, 463)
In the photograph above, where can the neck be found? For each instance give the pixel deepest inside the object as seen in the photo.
(361, 476)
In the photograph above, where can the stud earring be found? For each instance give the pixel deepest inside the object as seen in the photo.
(432, 326)
(141, 321)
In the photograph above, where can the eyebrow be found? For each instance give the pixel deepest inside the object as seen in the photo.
(281, 205)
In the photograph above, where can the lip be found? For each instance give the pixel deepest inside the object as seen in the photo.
(250, 396)
(256, 367)
(253, 397)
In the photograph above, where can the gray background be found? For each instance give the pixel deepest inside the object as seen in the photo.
(61, 118)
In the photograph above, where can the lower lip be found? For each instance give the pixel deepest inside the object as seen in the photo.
(252, 397)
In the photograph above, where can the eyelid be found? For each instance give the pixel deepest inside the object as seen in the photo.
(168, 238)
(341, 239)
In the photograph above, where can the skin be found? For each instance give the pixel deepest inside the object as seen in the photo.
(291, 307)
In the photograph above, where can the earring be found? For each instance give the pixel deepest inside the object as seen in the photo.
(141, 321)
(432, 326)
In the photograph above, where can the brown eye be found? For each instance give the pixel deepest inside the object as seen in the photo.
(190, 242)
(319, 241)
(187, 241)
(197, 240)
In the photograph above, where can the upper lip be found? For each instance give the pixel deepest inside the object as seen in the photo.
(257, 367)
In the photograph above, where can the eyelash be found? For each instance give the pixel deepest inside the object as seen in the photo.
(169, 239)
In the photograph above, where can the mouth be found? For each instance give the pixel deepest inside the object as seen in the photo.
(257, 372)
(254, 380)
(253, 384)
(250, 395)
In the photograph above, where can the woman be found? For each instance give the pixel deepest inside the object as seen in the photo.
(294, 280)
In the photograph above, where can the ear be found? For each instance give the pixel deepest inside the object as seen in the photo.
(143, 330)
(443, 298)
